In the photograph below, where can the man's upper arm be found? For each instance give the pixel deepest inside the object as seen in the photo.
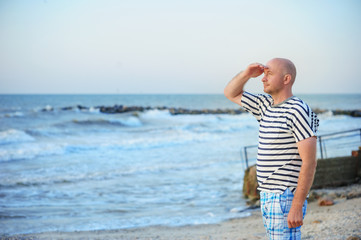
(238, 99)
(307, 149)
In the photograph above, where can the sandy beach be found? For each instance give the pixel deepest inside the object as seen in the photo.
(342, 220)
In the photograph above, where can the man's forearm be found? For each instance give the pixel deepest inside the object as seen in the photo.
(295, 215)
(235, 87)
(304, 184)
(307, 151)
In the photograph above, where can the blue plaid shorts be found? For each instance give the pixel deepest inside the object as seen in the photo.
(275, 208)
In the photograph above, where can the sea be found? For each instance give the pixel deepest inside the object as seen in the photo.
(65, 168)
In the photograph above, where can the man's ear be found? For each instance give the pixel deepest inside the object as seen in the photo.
(287, 79)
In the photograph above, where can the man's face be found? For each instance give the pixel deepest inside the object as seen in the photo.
(273, 77)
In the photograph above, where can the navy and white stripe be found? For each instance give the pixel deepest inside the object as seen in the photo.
(281, 126)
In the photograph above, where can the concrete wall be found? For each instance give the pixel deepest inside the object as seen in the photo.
(333, 172)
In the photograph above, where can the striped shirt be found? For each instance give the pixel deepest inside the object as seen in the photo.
(281, 126)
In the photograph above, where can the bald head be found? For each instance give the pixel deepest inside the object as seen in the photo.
(286, 67)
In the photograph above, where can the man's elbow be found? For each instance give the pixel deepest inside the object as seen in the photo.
(227, 94)
(309, 163)
(234, 97)
(312, 165)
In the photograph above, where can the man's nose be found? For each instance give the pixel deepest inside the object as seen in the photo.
(264, 79)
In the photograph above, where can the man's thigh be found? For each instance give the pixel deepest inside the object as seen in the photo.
(275, 209)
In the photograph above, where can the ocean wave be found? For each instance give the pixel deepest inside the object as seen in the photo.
(13, 114)
(47, 131)
(94, 110)
(28, 148)
(131, 121)
(5, 216)
(43, 179)
(29, 151)
(14, 136)
(164, 118)
(70, 174)
(160, 140)
(156, 114)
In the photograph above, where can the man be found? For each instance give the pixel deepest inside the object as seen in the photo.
(286, 160)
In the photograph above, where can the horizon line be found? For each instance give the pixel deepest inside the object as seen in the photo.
(300, 93)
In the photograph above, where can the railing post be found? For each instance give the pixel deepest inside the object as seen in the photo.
(245, 156)
(320, 141)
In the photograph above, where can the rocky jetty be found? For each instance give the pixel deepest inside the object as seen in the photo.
(178, 111)
(352, 113)
(172, 110)
(123, 109)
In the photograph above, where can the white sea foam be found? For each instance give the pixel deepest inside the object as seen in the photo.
(14, 136)
(48, 108)
(94, 110)
(130, 121)
(156, 114)
(13, 114)
(29, 151)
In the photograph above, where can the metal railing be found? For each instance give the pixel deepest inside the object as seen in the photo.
(321, 142)
(341, 134)
(246, 154)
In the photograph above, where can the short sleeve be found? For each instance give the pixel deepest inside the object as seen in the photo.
(304, 123)
(251, 103)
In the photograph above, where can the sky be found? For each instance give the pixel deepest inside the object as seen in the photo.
(175, 47)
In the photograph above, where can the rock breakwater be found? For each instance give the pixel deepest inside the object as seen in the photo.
(124, 109)
(178, 111)
(352, 113)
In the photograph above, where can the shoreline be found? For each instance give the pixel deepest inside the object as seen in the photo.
(339, 221)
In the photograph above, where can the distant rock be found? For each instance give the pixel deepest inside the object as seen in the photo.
(353, 194)
(325, 201)
(66, 108)
(317, 221)
(312, 196)
(250, 185)
(352, 113)
(80, 107)
(353, 238)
